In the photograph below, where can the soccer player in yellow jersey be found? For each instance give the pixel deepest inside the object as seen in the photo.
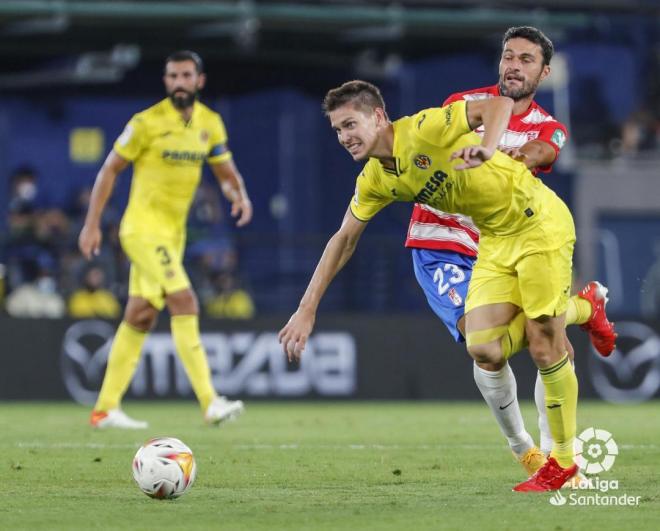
(167, 145)
(525, 250)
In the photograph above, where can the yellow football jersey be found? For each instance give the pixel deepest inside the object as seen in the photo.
(501, 196)
(167, 155)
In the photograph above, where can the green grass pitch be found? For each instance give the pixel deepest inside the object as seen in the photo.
(317, 466)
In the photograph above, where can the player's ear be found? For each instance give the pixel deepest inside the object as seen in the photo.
(201, 81)
(381, 117)
(545, 72)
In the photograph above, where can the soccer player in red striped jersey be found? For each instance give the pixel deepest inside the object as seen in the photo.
(445, 246)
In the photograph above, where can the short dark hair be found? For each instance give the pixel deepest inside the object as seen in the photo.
(186, 55)
(532, 35)
(362, 94)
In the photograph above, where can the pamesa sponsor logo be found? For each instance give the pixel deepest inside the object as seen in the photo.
(595, 452)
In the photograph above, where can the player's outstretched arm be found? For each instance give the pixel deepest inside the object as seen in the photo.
(494, 114)
(293, 337)
(89, 241)
(233, 188)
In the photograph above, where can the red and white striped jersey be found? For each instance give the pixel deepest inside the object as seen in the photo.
(433, 229)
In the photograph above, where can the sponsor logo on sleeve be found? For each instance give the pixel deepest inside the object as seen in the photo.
(558, 138)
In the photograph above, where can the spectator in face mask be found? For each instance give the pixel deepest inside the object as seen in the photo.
(33, 230)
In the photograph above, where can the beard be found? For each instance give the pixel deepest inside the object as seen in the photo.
(527, 88)
(183, 102)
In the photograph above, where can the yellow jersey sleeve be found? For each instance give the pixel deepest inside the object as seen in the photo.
(369, 197)
(218, 150)
(442, 126)
(133, 139)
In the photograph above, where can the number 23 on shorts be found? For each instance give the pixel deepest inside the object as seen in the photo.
(446, 276)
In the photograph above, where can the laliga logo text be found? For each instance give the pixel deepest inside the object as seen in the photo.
(595, 452)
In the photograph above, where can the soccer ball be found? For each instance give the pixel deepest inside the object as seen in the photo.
(164, 468)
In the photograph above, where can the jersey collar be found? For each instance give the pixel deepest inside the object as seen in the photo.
(171, 109)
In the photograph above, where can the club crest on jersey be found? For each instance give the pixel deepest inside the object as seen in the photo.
(454, 297)
(423, 162)
(204, 135)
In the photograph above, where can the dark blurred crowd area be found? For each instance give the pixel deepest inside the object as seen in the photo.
(43, 275)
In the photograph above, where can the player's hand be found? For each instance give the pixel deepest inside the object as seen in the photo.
(241, 208)
(514, 153)
(293, 337)
(473, 156)
(89, 241)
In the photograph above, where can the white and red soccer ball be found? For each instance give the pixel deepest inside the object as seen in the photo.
(164, 468)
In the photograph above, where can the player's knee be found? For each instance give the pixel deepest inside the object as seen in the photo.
(182, 302)
(485, 346)
(142, 318)
(486, 353)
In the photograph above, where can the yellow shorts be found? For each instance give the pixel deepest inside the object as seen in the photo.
(532, 270)
(156, 267)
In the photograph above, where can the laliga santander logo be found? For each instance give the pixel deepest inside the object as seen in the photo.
(595, 451)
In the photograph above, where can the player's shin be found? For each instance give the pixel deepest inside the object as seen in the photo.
(185, 332)
(544, 427)
(561, 392)
(499, 390)
(122, 362)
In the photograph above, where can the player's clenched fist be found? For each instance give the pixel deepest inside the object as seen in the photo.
(293, 337)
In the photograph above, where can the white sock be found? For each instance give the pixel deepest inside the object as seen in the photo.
(501, 394)
(544, 427)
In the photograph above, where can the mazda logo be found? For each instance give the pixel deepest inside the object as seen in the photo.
(85, 351)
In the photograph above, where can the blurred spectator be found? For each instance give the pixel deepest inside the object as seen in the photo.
(209, 241)
(229, 301)
(639, 133)
(111, 258)
(35, 232)
(92, 299)
(38, 297)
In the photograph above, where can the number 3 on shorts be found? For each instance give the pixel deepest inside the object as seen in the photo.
(455, 277)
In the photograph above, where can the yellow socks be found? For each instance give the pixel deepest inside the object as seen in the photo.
(578, 310)
(123, 359)
(185, 332)
(561, 392)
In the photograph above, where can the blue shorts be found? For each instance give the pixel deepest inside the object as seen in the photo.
(444, 276)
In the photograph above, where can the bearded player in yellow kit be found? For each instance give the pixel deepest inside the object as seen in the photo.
(525, 250)
(167, 144)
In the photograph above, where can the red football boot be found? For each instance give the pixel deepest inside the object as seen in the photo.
(601, 331)
(549, 477)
